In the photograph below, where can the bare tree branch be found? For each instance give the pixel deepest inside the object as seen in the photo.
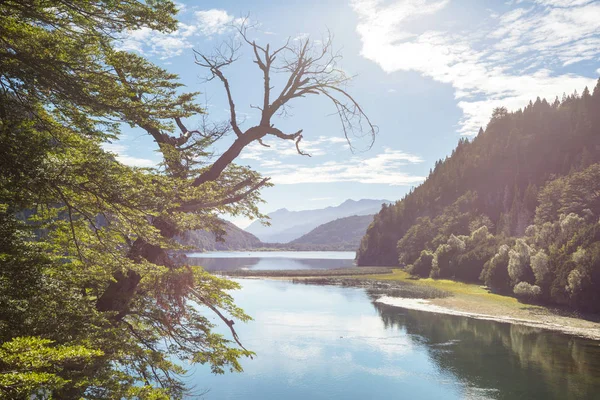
(214, 64)
(311, 69)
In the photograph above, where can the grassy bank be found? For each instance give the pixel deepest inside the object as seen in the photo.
(476, 292)
(476, 301)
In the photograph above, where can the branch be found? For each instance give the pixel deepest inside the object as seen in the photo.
(286, 136)
(214, 65)
(194, 206)
(228, 322)
(289, 136)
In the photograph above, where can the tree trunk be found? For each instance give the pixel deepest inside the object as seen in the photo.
(120, 292)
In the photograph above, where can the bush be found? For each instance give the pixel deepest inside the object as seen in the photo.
(527, 291)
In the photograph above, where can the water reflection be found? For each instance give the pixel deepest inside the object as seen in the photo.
(317, 342)
(272, 260)
(519, 361)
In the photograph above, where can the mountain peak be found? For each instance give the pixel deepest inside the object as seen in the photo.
(350, 201)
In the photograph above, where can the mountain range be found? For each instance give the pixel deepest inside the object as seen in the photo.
(287, 226)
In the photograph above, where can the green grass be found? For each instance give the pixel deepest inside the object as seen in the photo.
(474, 292)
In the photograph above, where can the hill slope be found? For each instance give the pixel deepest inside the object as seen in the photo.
(234, 239)
(289, 225)
(342, 233)
(517, 208)
(517, 152)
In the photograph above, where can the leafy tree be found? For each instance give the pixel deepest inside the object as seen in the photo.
(540, 267)
(422, 265)
(98, 301)
(495, 271)
(480, 246)
(418, 237)
(519, 267)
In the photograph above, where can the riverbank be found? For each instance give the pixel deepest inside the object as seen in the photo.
(446, 297)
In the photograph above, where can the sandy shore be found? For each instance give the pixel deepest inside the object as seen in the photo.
(541, 317)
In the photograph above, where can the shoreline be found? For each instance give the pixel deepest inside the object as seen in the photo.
(429, 305)
(453, 298)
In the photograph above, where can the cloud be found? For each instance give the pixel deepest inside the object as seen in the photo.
(121, 153)
(213, 22)
(508, 63)
(163, 45)
(282, 148)
(167, 45)
(563, 3)
(383, 168)
(279, 162)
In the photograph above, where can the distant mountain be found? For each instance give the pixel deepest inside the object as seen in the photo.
(234, 239)
(290, 225)
(342, 233)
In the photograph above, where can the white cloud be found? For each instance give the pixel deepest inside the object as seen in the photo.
(286, 148)
(563, 3)
(383, 168)
(121, 153)
(508, 65)
(153, 43)
(213, 22)
(166, 45)
(276, 162)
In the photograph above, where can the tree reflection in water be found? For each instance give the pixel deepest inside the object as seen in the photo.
(519, 361)
(275, 263)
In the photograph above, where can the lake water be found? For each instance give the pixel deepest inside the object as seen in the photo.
(324, 342)
(272, 260)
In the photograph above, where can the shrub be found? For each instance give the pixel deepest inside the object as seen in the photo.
(527, 291)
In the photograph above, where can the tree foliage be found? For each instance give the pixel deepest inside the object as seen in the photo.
(96, 302)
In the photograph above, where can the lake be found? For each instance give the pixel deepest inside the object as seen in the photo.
(272, 260)
(328, 342)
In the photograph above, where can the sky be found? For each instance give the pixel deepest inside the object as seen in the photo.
(426, 72)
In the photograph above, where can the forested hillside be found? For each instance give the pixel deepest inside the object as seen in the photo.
(516, 207)
(233, 238)
(342, 233)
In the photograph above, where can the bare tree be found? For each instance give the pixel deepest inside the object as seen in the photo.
(308, 68)
(311, 68)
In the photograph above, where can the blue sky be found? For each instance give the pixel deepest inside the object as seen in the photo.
(427, 73)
